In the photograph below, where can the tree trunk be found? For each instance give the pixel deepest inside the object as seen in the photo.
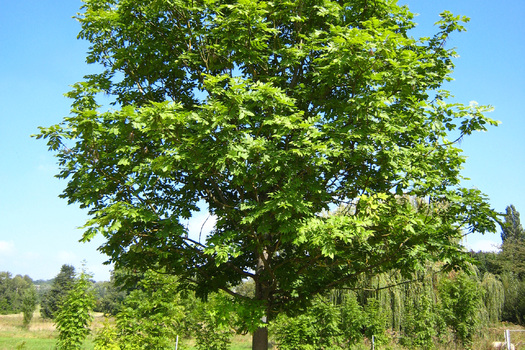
(260, 336)
(260, 339)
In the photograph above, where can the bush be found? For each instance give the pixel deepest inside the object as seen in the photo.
(106, 338)
(353, 318)
(295, 333)
(212, 327)
(375, 324)
(461, 301)
(150, 316)
(420, 324)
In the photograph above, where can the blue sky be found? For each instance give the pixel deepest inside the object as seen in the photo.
(40, 58)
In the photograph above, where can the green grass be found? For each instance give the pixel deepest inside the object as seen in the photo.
(29, 343)
(33, 344)
(40, 335)
(240, 347)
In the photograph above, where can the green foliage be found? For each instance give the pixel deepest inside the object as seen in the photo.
(461, 299)
(12, 292)
(488, 262)
(295, 333)
(269, 113)
(376, 319)
(109, 296)
(52, 299)
(420, 326)
(74, 314)
(434, 308)
(29, 303)
(331, 323)
(150, 317)
(327, 324)
(512, 257)
(514, 304)
(511, 228)
(107, 337)
(213, 327)
(493, 297)
(353, 318)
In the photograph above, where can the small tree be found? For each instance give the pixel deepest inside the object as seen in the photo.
(353, 318)
(107, 337)
(461, 299)
(74, 314)
(332, 322)
(376, 320)
(212, 328)
(150, 316)
(295, 333)
(420, 323)
(29, 303)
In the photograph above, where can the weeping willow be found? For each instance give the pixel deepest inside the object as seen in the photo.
(411, 309)
(494, 297)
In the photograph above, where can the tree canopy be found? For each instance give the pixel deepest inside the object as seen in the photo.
(269, 114)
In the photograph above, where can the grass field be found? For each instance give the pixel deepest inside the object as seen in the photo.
(40, 335)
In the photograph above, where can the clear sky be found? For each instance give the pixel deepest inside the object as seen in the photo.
(40, 58)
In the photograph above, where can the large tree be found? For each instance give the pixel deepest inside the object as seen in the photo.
(269, 114)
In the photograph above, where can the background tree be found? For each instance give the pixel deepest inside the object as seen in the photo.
(493, 297)
(266, 114)
(511, 228)
(109, 296)
(13, 291)
(62, 284)
(504, 272)
(488, 262)
(512, 256)
(29, 304)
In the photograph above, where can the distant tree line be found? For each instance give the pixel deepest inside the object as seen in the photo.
(13, 292)
(508, 266)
